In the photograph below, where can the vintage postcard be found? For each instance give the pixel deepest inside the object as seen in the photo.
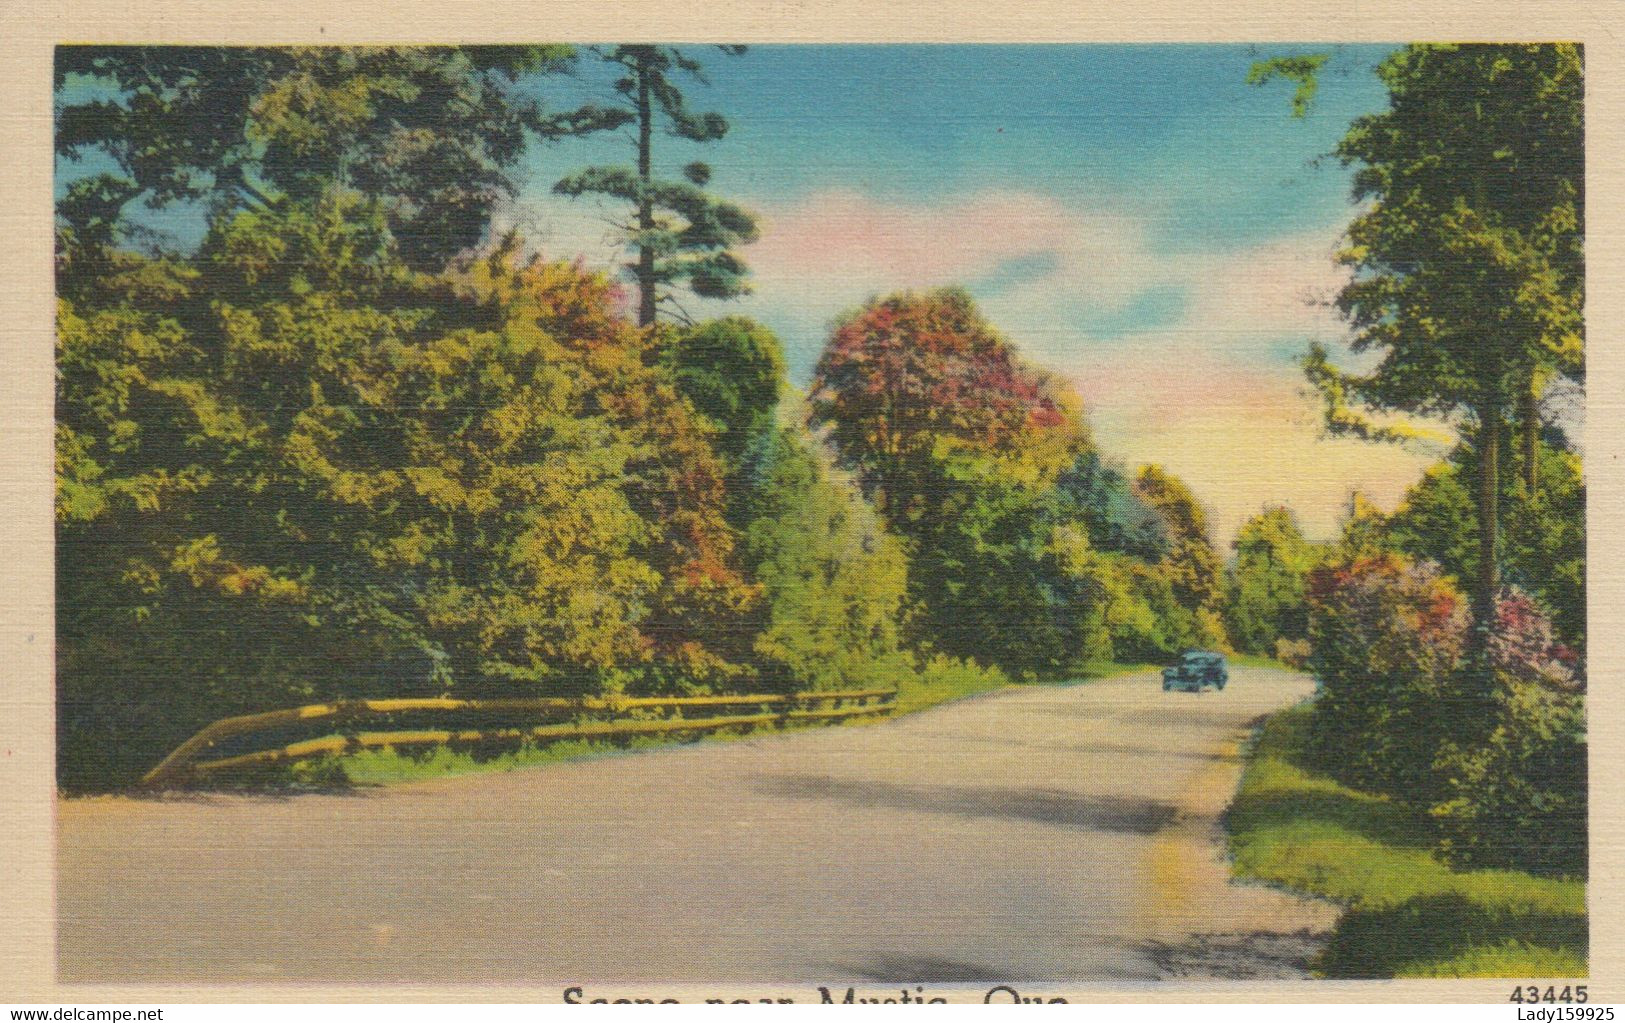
(712, 509)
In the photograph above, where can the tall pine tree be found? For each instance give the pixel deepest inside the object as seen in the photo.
(679, 234)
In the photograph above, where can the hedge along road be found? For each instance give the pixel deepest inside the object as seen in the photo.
(1041, 834)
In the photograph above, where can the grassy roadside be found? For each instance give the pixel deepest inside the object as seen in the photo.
(1408, 914)
(1257, 661)
(946, 682)
(943, 683)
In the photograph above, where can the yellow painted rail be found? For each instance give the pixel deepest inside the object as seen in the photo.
(184, 764)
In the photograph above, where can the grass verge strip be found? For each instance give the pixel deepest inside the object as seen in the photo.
(1408, 914)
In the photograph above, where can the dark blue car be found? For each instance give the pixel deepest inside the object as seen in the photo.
(1196, 670)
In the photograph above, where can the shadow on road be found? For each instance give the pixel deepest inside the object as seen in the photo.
(1004, 742)
(924, 969)
(1257, 955)
(1045, 806)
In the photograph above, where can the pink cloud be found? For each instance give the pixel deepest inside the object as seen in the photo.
(844, 245)
(1167, 385)
(1243, 435)
(1285, 286)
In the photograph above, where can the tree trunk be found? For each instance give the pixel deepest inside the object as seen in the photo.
(1488, 581)
(646, 218)
(1529, 424)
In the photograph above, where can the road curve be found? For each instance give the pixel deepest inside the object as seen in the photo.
(1042, 834)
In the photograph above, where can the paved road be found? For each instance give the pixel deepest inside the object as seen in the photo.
(1055, 834)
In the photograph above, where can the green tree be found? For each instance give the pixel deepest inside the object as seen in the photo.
(1468, 261)
(732, 371)
(1264, 586)
(833, 578)
(989, 576)
(960, 445)
(680, 234)
(1543, 549)
(1192, 567)
(435, 134)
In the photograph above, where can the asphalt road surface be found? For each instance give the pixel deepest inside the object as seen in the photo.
(1043, 834)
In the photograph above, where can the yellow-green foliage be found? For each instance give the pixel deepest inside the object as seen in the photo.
(943, 679)
(1264, 585)
(1191, 566)
(832, 578)
(1408, 914)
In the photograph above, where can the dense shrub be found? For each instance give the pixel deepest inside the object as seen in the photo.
(1388, 638)
(1387, 635)
(943, 678)
(1518, 798)
(833, 579)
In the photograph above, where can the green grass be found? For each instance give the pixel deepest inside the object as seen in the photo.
(1092, 671)
(915, 695)
(1255, 661)
(1408, 914)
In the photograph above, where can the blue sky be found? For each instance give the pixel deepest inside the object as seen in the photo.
(1137, 219)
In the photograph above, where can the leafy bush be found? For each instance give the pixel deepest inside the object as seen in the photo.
(1387, 635)
(1518, 799)
(833, 579)
(1294, 653)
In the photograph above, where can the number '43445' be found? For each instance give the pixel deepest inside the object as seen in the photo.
(1533, 993)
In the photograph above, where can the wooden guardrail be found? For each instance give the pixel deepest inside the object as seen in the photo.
(184, 763)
